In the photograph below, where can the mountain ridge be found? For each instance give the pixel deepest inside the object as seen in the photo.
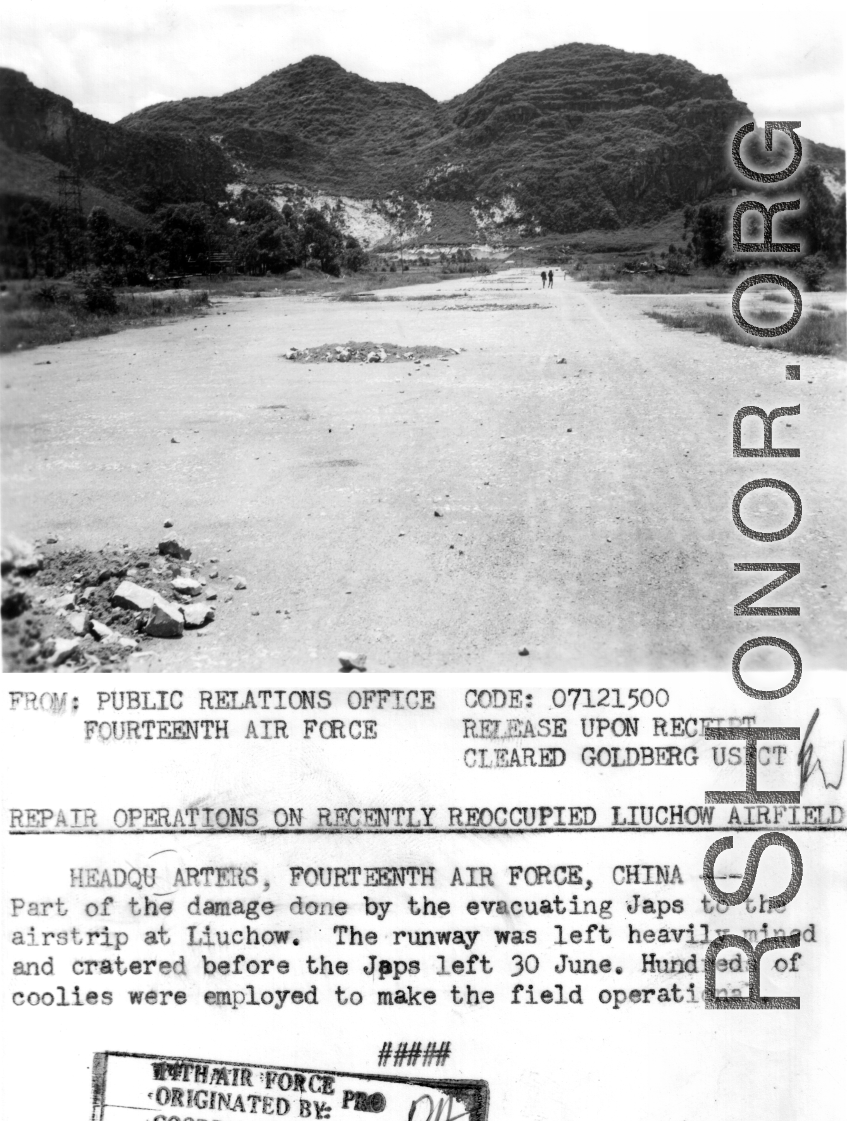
(570, 138)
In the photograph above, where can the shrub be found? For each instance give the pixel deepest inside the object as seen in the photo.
(98, 295)
(47, 294)
(678, 265)
(813, 271)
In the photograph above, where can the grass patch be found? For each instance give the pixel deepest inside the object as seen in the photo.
(822, 333)
(305, 282)
(609, 276)
(43, 314)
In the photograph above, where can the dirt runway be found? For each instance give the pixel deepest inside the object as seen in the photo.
(440, 516)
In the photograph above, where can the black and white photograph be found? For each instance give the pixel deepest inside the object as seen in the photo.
(423, 471)
(400, 337)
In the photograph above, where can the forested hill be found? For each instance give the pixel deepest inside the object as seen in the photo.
(556, 141)
(574, 136)
(142, 169)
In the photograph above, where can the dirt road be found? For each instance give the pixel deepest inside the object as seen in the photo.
(583, 508)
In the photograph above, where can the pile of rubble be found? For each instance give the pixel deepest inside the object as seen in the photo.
(367, 352)
(494, 307)
(75, 610)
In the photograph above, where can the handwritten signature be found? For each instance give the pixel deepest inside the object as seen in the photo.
(810, 762)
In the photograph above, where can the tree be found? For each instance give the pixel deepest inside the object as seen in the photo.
(99, 230)
(813, 271)
(27, 230)
(355, 257)
(106, 248)
(821, 217)
(266, 238)
(267, 246)
(709, 234)
(257, 211)
(183, 235)
(322, 241)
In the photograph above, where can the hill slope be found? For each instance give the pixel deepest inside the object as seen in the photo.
(562, 140)
(577, 136)
(142, 169)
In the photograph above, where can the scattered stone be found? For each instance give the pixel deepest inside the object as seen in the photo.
(523, 652)
(78, 622)
(168, 523)
(165, 621)
(437, 514)
(89, 596)
(211, 595)
(561, 361)
(366, 352)
(213, 560)
(240, 584)
(62, 650)
(174, 440)
(197, 614)
(186, 586)
(51, 539)
(133, 597)
(172, 548)
(111, 572)
(350, 662)
(213, 575)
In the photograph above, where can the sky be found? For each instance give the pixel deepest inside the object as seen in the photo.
(110, 57)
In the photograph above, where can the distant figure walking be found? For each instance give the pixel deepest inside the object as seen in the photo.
(543, 279)
(550, 278)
